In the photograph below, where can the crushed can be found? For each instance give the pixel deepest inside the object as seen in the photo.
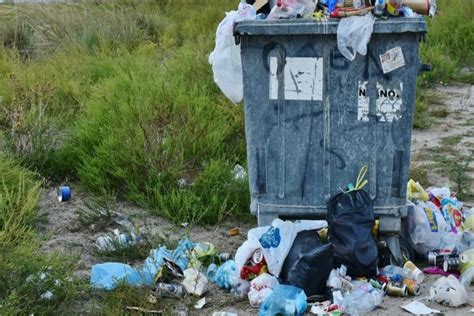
(412, 287)
(394, 290)
(169, 290)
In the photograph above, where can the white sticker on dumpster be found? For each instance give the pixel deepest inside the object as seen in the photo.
(303, 78)
(363, 103)
(389, 103)
(392, 59)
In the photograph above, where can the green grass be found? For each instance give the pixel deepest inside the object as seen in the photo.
(26, 273)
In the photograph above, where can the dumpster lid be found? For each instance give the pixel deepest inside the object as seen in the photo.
(309, 26)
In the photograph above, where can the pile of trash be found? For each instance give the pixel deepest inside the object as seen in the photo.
(326, 267)
(353, 32)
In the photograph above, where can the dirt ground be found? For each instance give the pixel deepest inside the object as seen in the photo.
(65, 233)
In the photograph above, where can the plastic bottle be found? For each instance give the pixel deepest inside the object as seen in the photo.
(379, 7)
(393, 272)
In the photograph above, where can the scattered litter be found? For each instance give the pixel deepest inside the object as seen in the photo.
(195, 282)
(169, 290)
(418, 308)
(285, 299)
(260, 288)
(234, 231)
(449, 291)
(226, 275)
(47, 295)
(200, 304)
(224, 314)
(144, 310)
(239, 172)
(64, 193)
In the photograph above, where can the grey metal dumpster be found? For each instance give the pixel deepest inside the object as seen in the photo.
(314, 118)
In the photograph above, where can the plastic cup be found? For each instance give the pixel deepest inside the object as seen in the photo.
(419, 276)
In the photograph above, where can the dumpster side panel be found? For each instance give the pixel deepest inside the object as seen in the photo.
(313, 119)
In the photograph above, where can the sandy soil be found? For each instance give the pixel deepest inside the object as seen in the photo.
(66, 234)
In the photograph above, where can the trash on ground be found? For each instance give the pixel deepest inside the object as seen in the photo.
(351, 222)
(239, 172)
(195, 282)
(64, 193)
(418, 308)
(449, 291)
(200, 303)
(308, 264)
(234, 231)
(260, 288)
(226, 275)
(284, 299)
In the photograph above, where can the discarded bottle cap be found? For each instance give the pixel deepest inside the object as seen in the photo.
(417, 273)
(64, 193)
(234, 231)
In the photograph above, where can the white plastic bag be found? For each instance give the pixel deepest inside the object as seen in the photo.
(195, 282)
(260, 288)
(225, 59)
(275, 241)
(353, 35)
(449, 291)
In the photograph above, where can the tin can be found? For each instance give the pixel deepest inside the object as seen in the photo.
(451, 265)
(393, 290)
(412, 287)
(64, 193)
(437, 258)
(378, 285)
(224, 256)
(257, 257)
(169, 290)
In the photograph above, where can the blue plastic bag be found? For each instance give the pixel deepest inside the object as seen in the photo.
(285, 300)
(226, 275)
(108, 275)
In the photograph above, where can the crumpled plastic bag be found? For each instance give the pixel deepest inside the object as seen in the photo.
(449, 291)
(260, 288)
(362, 299)
(275, 241)
(284, 300)
(195, 282)
(107, 275)
(225, 58)
(353, 35)
(226, 275)
(291, 9)
(427, 228)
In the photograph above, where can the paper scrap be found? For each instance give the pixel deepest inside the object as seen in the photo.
(200, 304)
(317, 310)
(418, 308)
(392, 59)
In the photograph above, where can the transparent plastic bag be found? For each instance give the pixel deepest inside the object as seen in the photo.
(362, 299)
(353, 35)
(225, 59)
(291, 9)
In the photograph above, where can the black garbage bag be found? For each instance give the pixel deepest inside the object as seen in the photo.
(308, 264)
(351, 222)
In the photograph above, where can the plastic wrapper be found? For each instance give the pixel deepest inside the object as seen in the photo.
(291, 9)
(353, 35)
(284, 300)
(362, 299)
(226, 275)
(449, 291)
(260, 288)
(427, 228)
